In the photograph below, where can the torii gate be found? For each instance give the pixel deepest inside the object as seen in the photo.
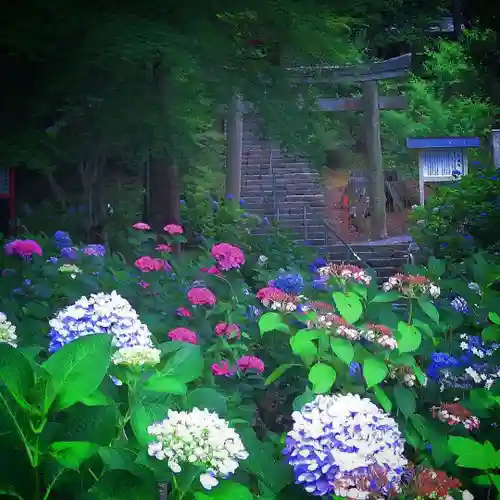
(370, 104)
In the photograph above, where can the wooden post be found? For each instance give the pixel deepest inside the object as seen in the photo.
(495, 143)
(234, 148)
(375, 165)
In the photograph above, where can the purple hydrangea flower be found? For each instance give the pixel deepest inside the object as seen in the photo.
(69, 253)
(460, 305)
(100, 313)
(94, 250)
(340, 444)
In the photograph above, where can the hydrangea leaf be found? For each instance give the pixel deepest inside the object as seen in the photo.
(429, 309)
(409, 339)
(226, 490)
(78, 368)
(163, 383)
(322, 377)
(71, 454)
(342, 348)
(390, 296)
(382, 398)
(124, 485)
(471, 454)
(494, 318)
(16, 373)
(405, 400)
(186, 364)
(491, 333)
(271, 321)
(303, 399)
(349, 305)
(374, 371)
(206, 397)
(436, 267)
(278, 372)
(305, 348)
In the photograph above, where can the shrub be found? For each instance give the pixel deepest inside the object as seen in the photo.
(461, 218)
(184, 374)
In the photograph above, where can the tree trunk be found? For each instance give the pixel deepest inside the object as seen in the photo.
(164, 195)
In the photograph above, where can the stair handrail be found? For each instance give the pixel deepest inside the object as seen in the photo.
(348, 247)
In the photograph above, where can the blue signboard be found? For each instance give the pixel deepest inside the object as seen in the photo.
(442, 142)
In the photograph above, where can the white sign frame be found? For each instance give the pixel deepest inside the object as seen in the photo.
(423, 166)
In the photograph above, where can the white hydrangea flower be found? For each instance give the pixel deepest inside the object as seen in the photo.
(137, 356)
(197, 437)
(467, 495)
(262, 260)
(70, 269)
(7, 331)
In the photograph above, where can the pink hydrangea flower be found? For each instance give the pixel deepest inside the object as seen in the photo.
(201, 297)
(227, 256)
(163, 248)
(148, 264)
(23, 248)
(141, 226)
(231, 330)
(270, 293)
(210, 270)
(173, 229)
(143, 284)
(222, 369)
(181, 334)
(251, 363)
(183, 312)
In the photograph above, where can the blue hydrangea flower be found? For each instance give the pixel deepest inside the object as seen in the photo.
(253, 312)
(107, 313)
(62, 239)
(440, 360)
(354, 369)
(340, 443)
(289, 283)
(321, 284)
(460, 305)
(317, 264)
(265, 220)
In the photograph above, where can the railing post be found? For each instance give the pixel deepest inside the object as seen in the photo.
(304, 210)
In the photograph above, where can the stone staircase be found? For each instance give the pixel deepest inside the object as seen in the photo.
(281, 186)
(286, 188)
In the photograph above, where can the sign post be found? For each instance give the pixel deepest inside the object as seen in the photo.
(495, 143)
(441, 159)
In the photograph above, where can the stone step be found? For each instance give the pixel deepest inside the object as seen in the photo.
(309, 176)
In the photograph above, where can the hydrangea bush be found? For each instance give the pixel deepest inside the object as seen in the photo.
(221, 375)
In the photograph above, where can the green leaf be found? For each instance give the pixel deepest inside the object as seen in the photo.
(306, 397)
(429, 309)
(271, 321)
(482, 480)
(343, 349)
(470, 453)
(405, 400)
(491, 333)
(78, 368)
(37, 310)
(386, 297)
(278, 372)
(226, 490)
(186, 364)
(16, 373)
(163, 383)
(206, 397)
(96, 424)
(374, 371)
(322, 377)
(436, 267)
(382, 398)
(97, 398)
(409, 339)
(124, 485)
(142, 415)
(304, 348)
(348, 305)
(71, 454)
(494, 318)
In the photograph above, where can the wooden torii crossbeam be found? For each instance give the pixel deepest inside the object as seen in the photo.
(370, 104)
